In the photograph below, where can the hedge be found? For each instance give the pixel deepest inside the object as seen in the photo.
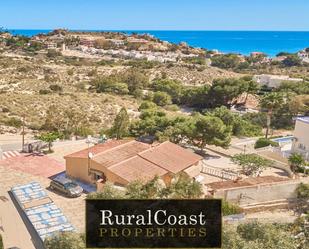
(264, 142)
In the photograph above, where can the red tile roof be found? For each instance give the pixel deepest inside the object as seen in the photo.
(137, 168)
(133, 160)
(120, 153)
(99, 148)
(171, 157)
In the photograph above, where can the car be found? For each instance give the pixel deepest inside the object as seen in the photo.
(66, 186)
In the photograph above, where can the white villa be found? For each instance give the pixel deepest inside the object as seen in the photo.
(301, 134)
(273, 81)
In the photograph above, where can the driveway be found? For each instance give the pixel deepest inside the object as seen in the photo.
(35, 164)
(10, 220)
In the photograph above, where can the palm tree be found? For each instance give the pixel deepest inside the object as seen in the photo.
(271, 102)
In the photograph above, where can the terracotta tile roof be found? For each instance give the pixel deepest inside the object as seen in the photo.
(99, 148)
(171, 157)
(132, 160)
(120, 153)
(137, 168)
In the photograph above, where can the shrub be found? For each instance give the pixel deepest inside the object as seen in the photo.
(1, 244)
(5, 109)
(302, 190)
(172, 108)
(252, 164)
(147, 105)
(230, 208)
(68, 240)
(70, 71)
(80, 86)
(92, 72)
(15, 122)
(263, 142)
(225, 61)
(162, 98)
(53, 53)
(44, 91)
(83, 131)
(56, 88)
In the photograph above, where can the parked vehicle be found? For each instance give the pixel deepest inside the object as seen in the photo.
(66, 186)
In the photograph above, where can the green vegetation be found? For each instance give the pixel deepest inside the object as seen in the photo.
(121, 124)
(299, 88)
(56, 88)
(291, 60)
(52, 53)
(252, 235)
(48, 138)
(182, 187)
(110, 85)
(1, 243)
(303, 191)
(225, 61)
(14, 122)
(142, 64)
(264, 142)
(68, 240)
(162, 99)
(173, 88)
(296, 162)
(252, 164)
(129, 82)
(212, 131)
(271, 102)
(197, 129)
(18, 41)
(66, 122)
(258, 236)
(225, 91)
(230, 208)
(213, 128)
(195, 60)
(239, 125)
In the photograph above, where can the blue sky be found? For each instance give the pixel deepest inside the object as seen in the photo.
(156, 14)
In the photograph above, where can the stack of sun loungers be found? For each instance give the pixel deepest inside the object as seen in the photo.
(46, 218)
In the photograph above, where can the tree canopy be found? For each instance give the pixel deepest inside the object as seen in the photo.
(252, 164)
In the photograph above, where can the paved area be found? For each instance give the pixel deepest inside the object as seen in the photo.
(10, 220)
(219, 161)
(278, 216)
(35, 164)
(9, 154)
(13, 141)
(65, 148)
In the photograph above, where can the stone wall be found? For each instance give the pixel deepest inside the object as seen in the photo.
(261, 193)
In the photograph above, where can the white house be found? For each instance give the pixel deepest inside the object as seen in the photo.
(304, 56)
(273, 81)
(301, 134)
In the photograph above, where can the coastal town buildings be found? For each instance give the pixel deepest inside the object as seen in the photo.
(124, 161)
(301, 141)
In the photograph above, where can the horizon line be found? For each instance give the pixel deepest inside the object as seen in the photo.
(194, 30)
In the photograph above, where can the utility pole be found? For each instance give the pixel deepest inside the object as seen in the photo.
(23, 134)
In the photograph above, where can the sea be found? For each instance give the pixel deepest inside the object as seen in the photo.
(242, 42)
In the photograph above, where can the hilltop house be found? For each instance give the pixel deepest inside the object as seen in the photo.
(301, 141)
(123, 161)
(273, 81)
(303, 55)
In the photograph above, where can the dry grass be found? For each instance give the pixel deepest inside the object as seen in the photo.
(22, 79)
